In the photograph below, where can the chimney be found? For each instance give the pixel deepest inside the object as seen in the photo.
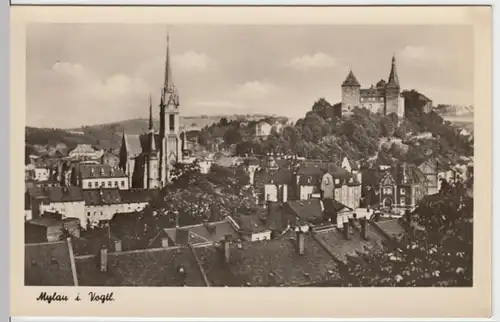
(300, 241)
(346, 230)
(181, 236)
(118, 245)
(104, 259)
(176, 219)
(364, 228)
(227, 249)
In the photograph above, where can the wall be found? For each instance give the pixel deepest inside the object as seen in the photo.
(261, 236)
(350, 99)
(374, 104)
(68, 210)
(102, 212)
(121, 182)
(306, 191)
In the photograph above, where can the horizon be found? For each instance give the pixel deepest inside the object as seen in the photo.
(279, 70)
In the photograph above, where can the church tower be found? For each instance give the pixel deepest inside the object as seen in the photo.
(393, 100)
(350, 94)
(170, 150)
(152, 178)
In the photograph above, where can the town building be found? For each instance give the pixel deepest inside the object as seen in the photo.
(263, 129)
(85, 152)
(385, 97)
(67, 201)
(110, 159)
(158, 151)
(50, 228)
(93, 176)
(402, 188)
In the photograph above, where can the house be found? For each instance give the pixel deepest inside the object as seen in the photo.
(251, 164)
(402, 188)
(102, 204)
(436, 168)
(111, 159)
(201, 234)
(274, 184)
(93, 176)
(67, 201)
(263, 129)
(251, 227)
(50, 228)
(85, 152)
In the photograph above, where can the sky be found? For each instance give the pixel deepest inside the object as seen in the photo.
(83, 74)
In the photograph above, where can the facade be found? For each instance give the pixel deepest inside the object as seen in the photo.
(159, 150)
(85, 152)
(384, 98)
(93, 176)
(110, 159)
(263, 129)
(402, 188)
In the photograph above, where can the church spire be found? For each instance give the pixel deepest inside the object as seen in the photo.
(151, 126)
(393, 76)
(168, 71)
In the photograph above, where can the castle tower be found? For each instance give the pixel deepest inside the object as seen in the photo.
(393, 93)
(170, 150)
(152, 178)
(350, 93)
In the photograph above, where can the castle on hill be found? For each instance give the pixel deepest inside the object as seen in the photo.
(384, 97)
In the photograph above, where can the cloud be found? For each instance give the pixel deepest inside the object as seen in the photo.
(77, 95)
(193, 61)
(219, 104)
(421, 53)
(253, 90)
(317, 60)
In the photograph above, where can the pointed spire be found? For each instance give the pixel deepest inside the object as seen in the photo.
(168, 72)
(151, 126)
(393, 76)
(351, 80)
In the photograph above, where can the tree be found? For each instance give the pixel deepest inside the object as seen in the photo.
(436, 251)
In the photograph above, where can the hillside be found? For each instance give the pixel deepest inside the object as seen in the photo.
(454, 110)
(189, 123)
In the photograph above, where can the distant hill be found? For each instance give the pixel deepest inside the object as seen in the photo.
(454, 110)
(107, 136)
(189, 123)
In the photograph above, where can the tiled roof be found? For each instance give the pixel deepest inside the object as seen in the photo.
(381, 83)
(407, 174)
(151, 267)
(268, 263)
(251, 223)
(217, 233)
(193, 239)
(281, 176)
(47, 264)
(105, 196)
(312, 172)
(57, 194)
(372, 92)
(307, 210)
(340, 247)
(133, 145)
(350, 80)
(274, 216)
(145, 142)
(392, 227)
(87, 171)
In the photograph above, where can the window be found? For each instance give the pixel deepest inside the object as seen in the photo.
(387, 190)
(402, 202)
(109, 183)
(88, 213)
(172, 122)
(90, 184)
(103, 184)
(116, 183)
(402, 191)
(123, 183)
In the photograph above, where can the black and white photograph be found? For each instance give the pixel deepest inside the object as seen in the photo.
(160, 155)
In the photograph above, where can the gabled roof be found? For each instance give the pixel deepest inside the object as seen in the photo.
(88, 171)
(57, 194)
(47, 264)
(351, 80)
(150, 267)
(97, 197)
(137, 195)
(268, 263)
(251, 224)
(306, 210)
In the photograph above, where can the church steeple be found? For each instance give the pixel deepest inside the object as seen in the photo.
(393, 76)
(151, 126)
(169, 91)
(168, 72)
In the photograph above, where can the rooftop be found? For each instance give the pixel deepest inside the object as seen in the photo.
(48, 264)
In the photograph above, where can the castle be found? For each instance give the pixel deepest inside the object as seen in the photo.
(384, 97)
(150, 168)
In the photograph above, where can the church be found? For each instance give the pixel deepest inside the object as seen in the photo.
(148, 162)
(384, 97)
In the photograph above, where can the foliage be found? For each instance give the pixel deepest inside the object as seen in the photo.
(437, 251)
